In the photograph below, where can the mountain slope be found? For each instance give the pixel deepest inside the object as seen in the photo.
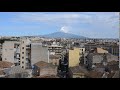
(62, 35)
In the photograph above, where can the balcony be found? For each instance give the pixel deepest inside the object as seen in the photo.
(16, 61)
(28, 46)
(17, 55)
(28, 56)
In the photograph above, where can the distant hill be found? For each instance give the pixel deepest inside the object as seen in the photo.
(63, 35)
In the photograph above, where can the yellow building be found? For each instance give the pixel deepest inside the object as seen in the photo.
(74, 56)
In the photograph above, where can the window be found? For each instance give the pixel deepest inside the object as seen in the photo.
(23, 41)
(86, 62)
(22, 52)
(14, 46)
(22, 62)
(22, 57)
(22, 47)
(22, 66)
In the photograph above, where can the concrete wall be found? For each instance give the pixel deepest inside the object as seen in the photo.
(37, 71)
(111, 57)
(48, 71)
(8, 51)
(99, 58)
(38, 53)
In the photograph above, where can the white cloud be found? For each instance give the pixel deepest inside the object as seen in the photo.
(69, 18)
(64, 29)
(59, 18)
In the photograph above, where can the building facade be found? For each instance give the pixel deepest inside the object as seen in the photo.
(43, 68)
(9, 49)
(39, 53)
(55, 49)
(99, 58)
(25, 53)
(74, 57)
(17, 52)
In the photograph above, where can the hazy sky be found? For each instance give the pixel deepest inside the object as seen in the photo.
(89, 24)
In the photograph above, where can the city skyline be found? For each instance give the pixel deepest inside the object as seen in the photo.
(88, 24)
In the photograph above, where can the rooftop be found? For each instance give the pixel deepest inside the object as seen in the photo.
(78, 69)
(1, 72)
(95, 74)
(14, 70)
(43, 64)
(55, 46)
(116, 75)
(54, 56)
(47, 76)
(4, 64)
(108, 54)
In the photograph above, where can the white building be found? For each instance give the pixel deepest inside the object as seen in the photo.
(9, 51)
(55, 49)
(18, 53)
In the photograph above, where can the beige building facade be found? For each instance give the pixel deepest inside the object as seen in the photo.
(9, 49)
(74, 56)
(25, 53)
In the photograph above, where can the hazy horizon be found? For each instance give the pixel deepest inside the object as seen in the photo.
(87, 24)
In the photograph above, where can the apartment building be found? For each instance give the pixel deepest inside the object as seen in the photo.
(112, 48)
(92, 59)
(10, 51)
(75, 55)
(17, 52)
(55, 49)
(90, 46)
(25, 53)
